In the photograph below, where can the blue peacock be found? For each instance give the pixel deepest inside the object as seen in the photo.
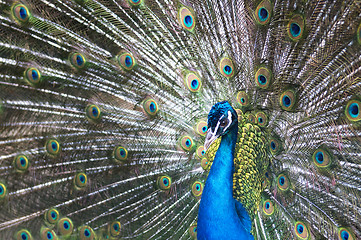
(153, 119)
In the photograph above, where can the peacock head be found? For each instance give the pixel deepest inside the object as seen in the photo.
(221, 119)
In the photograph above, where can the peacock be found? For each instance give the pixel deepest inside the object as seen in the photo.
(181, 119)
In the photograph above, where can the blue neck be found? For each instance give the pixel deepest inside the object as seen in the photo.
(217, 216)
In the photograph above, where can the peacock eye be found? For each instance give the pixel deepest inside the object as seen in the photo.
(224, 123)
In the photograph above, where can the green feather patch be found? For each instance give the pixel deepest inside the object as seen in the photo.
(251, 162)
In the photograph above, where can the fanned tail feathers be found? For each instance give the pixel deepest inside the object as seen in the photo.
(103, 108)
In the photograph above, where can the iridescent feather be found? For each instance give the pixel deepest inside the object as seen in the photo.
(104, 105)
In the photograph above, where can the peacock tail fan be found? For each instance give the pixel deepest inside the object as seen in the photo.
(103, 108)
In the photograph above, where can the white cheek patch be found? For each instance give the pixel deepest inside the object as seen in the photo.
(211, 136)
(216, 128)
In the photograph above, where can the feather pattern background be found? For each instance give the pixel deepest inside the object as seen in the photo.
(104, 107)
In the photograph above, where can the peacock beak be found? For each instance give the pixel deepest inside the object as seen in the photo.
(210, 138)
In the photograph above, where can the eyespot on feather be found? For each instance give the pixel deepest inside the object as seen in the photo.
(77, 60)
(261, 119)
(135, 3)
(65, 226)
(322, 158)
(187, 143)
(3, 191)
(197, 189)
(187, 18)
(114, 228)
(345, 234)
(23, 234)
(93, 113)
(164, 182)
(283, 182)
(52, 147)
(263, 12)
(21, 13)
(274, 146)
(80, 180)
(301, 231)
(251, 117)
(226, 67)
(193, 231)
(193, 82)
(33, 76)
(268, 207)
(51, 216)
(205, 164)
(295, 27)
(86, 233)
(202, 128)
(48, 234)
(242, 98)
(288, 100)
(21, 163)
(126, 61)
(352, 110)
(120, 153)
(201, 152)
(263, 78)
(150, 106)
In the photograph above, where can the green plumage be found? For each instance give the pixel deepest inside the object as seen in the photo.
(103, 106)
(251, 164)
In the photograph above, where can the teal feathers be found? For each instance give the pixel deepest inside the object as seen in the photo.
(103, 108)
